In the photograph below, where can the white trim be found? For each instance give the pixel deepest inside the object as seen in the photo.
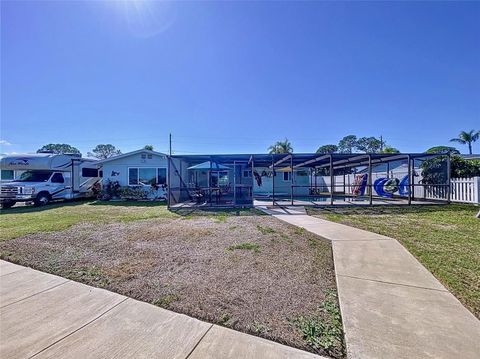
(123, 155)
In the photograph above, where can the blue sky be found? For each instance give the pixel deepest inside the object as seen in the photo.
(237, 76)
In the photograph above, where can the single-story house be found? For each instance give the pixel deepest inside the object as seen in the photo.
(141, 168)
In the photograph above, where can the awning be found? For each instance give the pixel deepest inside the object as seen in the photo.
(209, 165)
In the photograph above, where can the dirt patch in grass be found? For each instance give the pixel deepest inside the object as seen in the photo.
(249, 272)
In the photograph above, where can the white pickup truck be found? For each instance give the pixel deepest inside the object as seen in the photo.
(46, 177)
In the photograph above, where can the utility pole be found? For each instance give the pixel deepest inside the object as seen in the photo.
(169, 180)
(381, 143)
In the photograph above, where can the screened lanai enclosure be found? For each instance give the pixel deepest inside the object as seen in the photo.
(246, 180)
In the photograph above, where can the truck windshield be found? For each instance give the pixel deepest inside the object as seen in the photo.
(35, 176)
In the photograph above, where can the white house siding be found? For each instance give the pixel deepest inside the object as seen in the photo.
(117, 169)
(282, 187)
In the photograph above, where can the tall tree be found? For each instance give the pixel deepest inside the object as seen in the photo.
(347, 144)
(104, 151)
(467, 138)
(59, 148)
(148, 147)
(327, 149)
(443, 149)
(281, 147)
(369, 145)
(389, 149)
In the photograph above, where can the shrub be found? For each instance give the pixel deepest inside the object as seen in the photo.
(133, 193)
(324, 329)
(111, 189)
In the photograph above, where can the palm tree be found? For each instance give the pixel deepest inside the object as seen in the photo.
(281, 147)
(467, 138)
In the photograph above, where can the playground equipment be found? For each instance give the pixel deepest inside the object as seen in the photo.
(359, 185)
(378, 187)
(386, 187)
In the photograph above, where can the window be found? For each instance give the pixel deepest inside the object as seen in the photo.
(144, 156)
(219, 179)
(132, 176)
(57, 178)
(7, 175)
(247, 173)
(149, 157)
(35, 176)
(89, 172)
(161, 176)
(147, 176)
(287, 176)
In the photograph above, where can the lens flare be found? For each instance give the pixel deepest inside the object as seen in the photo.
(147, 18)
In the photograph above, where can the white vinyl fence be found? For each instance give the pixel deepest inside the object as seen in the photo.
(466, 190)
(463, 190)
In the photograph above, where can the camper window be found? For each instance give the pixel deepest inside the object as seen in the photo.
(35, 176)
(57, 178)
(89, 172)
(286, 176)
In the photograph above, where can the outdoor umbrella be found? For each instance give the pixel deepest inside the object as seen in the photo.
(209, 165)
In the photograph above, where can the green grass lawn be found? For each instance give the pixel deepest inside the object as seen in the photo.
(20, 221)
(445, 239)
(196, 262)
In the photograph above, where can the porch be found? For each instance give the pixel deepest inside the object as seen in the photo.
(311, 179)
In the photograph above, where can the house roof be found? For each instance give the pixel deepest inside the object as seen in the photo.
(128, 154)
(305, 159)
(471, 157)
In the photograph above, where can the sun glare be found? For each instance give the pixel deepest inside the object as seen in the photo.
(146, 18)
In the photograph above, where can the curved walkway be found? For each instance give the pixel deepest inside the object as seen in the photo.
(392, 306)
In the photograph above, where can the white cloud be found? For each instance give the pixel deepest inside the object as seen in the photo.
(5, 143)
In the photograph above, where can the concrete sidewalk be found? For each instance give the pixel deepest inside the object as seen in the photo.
(392, 306)
(45, 316)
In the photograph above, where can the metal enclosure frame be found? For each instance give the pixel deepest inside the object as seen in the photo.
(338, 173)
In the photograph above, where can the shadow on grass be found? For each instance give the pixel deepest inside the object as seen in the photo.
(209, 212)
(32, 209)
(390, 209)
(78, 202)
(129, 203)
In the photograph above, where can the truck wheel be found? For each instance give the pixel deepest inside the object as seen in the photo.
(7, 205)
(43, 198)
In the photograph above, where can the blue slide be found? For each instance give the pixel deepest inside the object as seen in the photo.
(404, 184)
(378, 187)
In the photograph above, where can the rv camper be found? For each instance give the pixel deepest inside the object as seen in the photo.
(46, 176)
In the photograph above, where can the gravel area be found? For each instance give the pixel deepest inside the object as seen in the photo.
(251, 273)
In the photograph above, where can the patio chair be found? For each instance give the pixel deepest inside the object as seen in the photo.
(196, 194)
(224, 190)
